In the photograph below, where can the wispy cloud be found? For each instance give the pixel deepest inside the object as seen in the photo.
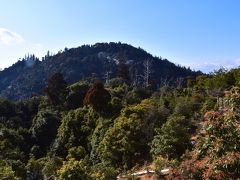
(8, 37)
(210, 66)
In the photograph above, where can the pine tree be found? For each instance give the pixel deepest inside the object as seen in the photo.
(97, 97)
(56, 89)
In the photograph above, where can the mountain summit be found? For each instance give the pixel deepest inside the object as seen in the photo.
(29, 75)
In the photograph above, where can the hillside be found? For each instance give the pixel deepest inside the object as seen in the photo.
(93, 131)
(28, 76)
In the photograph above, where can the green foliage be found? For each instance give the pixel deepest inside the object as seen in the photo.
(6, 172)
(161, 163)
(11, 144)
(115, 106)
(190, 82)
(126, 142)
(103, 171)
(20, 81)
(75, 130)
(173, 138)
(123, 127)
(77, 153)
(73, 169)
(136, 96)
(216, 155)
(51, 166)
(102, 126)
(184, 108)
(34, 168)
(116, 82)
(76, 95)
(44, 128)
(208, 105)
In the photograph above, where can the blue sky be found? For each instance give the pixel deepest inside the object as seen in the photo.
(202, 34)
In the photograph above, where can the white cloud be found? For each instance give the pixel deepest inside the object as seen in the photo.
(210, 66)
(8, 37)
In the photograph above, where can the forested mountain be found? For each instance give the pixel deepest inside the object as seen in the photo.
(95, 131)
(28, 76)
(110, 110)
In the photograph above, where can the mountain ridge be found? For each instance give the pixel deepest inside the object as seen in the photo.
(29, 75)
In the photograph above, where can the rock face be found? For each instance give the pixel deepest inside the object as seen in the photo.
(28, 76)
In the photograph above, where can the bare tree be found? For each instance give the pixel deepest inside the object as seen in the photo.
(107, 76)
(179, 82)
(147, 64)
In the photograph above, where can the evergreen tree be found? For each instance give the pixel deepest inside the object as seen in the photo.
(56, 89)
(97, 97)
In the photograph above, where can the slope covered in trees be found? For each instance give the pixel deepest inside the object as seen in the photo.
(29, 76)
(193, 131)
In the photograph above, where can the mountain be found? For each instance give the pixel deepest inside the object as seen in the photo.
(29, 75)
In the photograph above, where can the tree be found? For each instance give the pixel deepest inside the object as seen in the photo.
(147, 64)
(217, 152)
(190, 82)
(75, 130)
(6, 172)
(44, 128)
(34, 168)
(97, 97)
(56, 89)
(172, 139)
(73, 169)
(51, 166)
(76, 95)
(123, 70)
(126, 142)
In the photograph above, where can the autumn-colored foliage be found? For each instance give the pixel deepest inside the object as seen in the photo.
(97, 97)
(217, 153)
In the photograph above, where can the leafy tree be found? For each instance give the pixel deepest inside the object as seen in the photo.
(75, 130)
(76, 95)
(77, 153)
(44, 128)
(6, 172)
(126, 142)
(172, 139)
(34, 168)
(11, 145)
(136, 96)
(97, 136)
(115, 82)
(73, 169)
(103, 171)
(51, 165)
(184, 108)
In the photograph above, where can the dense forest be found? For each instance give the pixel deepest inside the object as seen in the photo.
(107, 110)
(96, 129)
(29, 75)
